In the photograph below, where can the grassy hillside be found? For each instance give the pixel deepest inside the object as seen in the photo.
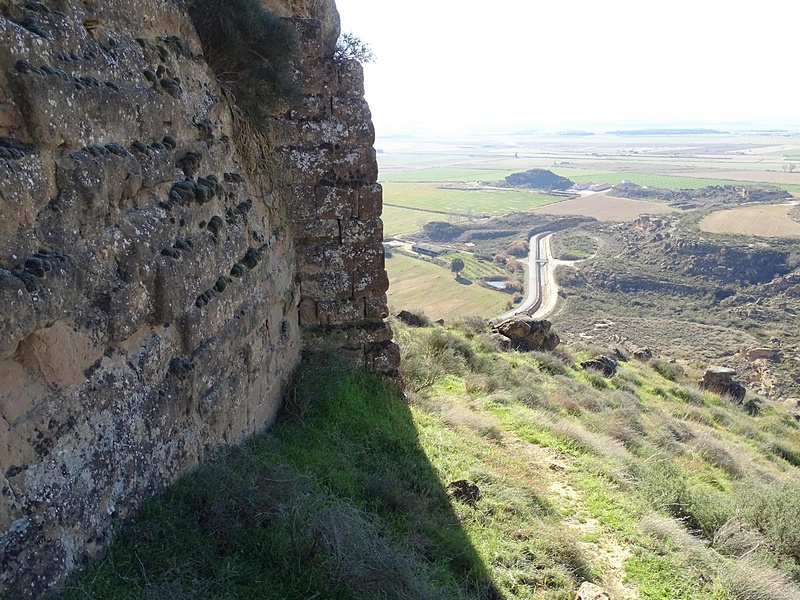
(640, 483)
(418, 285)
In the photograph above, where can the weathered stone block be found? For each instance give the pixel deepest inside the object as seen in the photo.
(356, 232)
(28, 185)
(351, 79)
(302, 201)
(336, 202)
(308, 312)
(383, 357)
(361, 134)
(327, 284)
(310, 37)
(337, 312)
(312, 107)
(320, 76)
(376, 307)
(370, 202)
(351, 110)
(317, 230)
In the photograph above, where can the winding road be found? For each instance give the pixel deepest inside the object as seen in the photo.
(541, 293)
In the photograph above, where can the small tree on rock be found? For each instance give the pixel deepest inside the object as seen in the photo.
(456, 266)
(350, 47)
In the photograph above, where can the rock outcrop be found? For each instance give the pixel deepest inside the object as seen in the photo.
(720, 381)
(159, 264)
(605, 365)
(527, 334)
(590, 591)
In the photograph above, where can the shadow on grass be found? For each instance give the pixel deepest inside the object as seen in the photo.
(463, 280)
(338, 500)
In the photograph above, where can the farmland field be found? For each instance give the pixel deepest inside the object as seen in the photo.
(417, 285)
(650, 180)
(787, 181)
(685, 175)
(474, 268)
(448, 174)
(765, 221)
(405, 220)
(605, 208)
(431, 197)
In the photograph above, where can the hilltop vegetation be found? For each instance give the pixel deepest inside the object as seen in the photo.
(639, 482)
(539, 179)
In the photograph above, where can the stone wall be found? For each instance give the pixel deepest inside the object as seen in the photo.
(326, 148)
(149, 278)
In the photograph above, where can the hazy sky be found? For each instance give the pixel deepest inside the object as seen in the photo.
(455, 65)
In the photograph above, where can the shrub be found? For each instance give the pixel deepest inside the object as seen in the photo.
(688, 393)
(666, 486)
(748, 579)
(518, 248)
(773, 511)
(715, 453)
(350, 47)
(250, 50)
(668, 370)
(553, 363)
(471, 325)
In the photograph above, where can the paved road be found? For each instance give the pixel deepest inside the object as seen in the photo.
(538, 275)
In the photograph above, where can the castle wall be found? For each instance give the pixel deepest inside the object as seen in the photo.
(154, 283)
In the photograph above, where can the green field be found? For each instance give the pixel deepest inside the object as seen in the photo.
(575, 174)
(417, 285)
(405, 220)
(448, 174)
(494, 202)
(475, 269)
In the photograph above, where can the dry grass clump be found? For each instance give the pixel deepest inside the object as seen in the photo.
(485, 425)
(624, 424)
(713, 451)
(701, 506)
(668, 370)
(671, 435)
(585, 440)
(749, 579)
(576, 396)
(688, 393)
(554, 363)
(358, 558)
(746, 578)
(667, 528)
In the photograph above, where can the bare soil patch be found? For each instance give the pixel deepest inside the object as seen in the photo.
(605, 208)
(765, 221)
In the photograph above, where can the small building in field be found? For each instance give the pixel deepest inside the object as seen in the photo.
(600, 187)
(429, 250)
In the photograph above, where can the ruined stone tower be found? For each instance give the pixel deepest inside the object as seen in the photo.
(157, 281)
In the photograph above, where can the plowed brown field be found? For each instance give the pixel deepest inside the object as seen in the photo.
(771, 220)
(605, 208)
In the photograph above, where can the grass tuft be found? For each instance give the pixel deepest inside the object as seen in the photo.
(250, 50)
